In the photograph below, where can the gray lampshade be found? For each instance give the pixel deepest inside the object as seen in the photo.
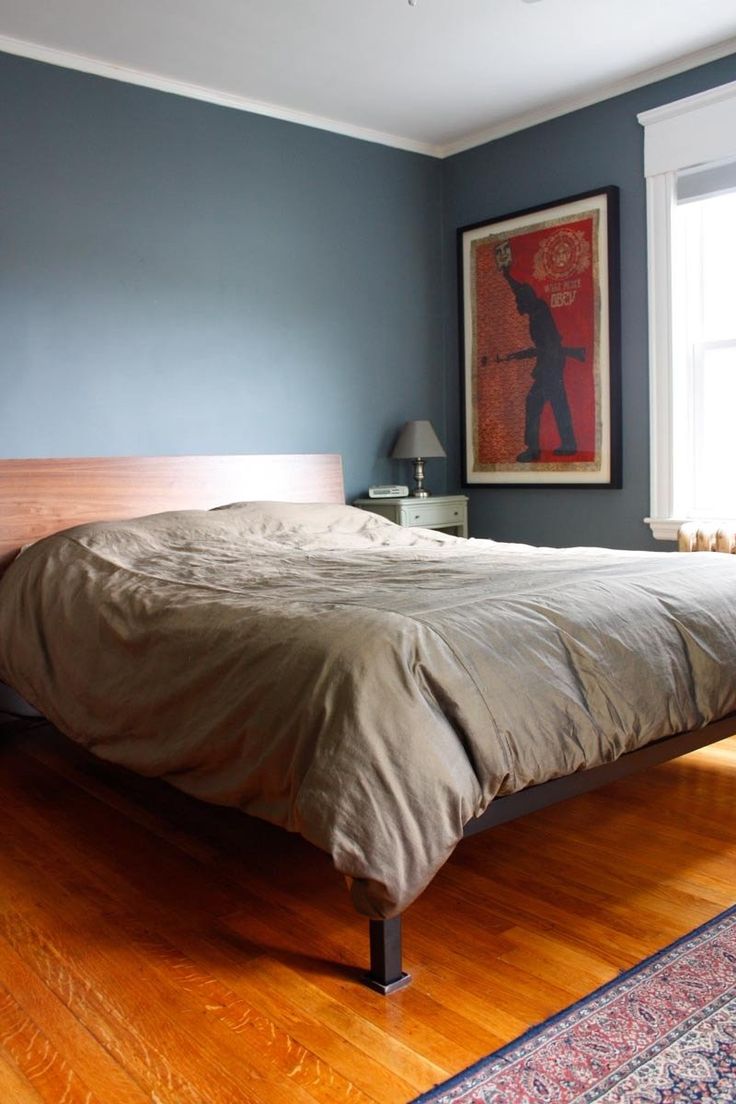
(417, 439)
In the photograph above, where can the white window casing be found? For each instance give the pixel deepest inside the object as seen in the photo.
(697, 131)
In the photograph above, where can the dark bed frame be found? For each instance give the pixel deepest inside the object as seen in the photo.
(386, 974)
(39, 497)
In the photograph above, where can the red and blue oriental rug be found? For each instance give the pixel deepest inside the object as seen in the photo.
(662, 1033)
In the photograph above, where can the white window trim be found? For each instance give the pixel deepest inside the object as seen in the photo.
(697, 130)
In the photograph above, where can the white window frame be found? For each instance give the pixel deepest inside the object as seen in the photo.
(698, 130)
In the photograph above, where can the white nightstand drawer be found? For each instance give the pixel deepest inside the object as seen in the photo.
(431, 513)
(448, 512)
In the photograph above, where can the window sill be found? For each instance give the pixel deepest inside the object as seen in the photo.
(664, 528)
(667, 528)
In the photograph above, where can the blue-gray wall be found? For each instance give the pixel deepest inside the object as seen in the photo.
(578, 152)
(177, 277)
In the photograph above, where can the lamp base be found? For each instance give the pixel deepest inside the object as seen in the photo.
(419, 491)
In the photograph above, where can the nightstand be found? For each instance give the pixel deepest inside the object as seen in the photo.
(448, 512)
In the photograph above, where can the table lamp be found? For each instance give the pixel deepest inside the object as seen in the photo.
(417, 441)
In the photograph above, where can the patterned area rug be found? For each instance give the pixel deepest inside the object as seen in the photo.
(662, 1033)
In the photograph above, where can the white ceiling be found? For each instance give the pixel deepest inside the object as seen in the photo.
(436, 76)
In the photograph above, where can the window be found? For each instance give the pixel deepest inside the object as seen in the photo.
(690, 161)
(704, 354)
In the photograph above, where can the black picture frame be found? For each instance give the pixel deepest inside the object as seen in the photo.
(539, 322)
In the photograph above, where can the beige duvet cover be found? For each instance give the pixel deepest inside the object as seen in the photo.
(369, 686)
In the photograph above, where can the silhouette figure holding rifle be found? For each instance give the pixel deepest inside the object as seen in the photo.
(548, 377)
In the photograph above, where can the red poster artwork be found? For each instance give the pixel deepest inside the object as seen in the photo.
(536, 349)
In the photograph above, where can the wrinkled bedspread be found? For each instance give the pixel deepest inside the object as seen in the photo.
(368, 686)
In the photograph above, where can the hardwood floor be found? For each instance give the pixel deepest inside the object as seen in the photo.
(153, 949)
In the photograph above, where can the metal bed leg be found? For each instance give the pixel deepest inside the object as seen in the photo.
(386, 975)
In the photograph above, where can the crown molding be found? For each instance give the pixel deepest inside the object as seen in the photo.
(607, 92)
(96, 66)
(723, 93)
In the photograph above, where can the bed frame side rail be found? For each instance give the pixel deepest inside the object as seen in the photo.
(386, 974)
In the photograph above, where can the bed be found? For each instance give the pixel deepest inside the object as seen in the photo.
(382, 691)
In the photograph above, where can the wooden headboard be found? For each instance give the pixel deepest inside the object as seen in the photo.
(39, 497)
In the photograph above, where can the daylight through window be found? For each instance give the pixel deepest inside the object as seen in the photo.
(704, 355)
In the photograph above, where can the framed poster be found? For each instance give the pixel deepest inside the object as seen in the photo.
(540, 345)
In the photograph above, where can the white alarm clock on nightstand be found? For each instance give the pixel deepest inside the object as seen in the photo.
(392, 490)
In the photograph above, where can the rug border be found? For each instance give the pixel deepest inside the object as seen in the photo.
(536, 1029)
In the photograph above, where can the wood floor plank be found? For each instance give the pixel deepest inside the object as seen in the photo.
(172, 973)
(198, 1033)
(94, 1065)
(102, 1015)
(37, 1058)
(289, 1001)
(13, 1085)
(181, 954)
(263, 916)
